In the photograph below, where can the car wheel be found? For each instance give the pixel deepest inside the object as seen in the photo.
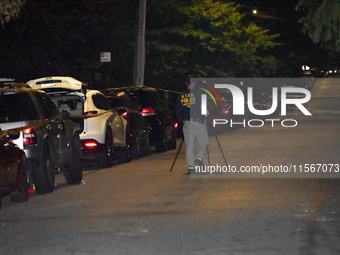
(172, 142)
(161, 145)
(124, 154)
(145, 150)
(21, 194)
(74, 171)
(105, 159)
(43, 175)
(135, 148)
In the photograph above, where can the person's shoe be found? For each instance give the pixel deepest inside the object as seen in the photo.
(191, 170)
(199, 162)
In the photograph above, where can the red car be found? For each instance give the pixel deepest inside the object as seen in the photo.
(14, 174)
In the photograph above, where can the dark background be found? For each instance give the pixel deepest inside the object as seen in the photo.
(65, 37)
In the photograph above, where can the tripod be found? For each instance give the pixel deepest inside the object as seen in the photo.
(180, 147)
(219, 145)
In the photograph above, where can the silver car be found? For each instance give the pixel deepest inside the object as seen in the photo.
(49, 138)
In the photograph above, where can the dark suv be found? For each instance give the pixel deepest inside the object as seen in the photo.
(48, 137)
(161, 122)
(138, 128)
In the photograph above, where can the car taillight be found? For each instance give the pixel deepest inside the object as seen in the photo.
(29, 136)
(126, 115)
(225, 111)
(91, 113)
(176, 125)
(148, 111)
(91, 144)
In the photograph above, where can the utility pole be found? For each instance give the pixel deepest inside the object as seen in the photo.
(139, 61)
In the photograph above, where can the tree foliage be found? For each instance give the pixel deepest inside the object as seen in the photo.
(10, 9)
(321, 22)
(207, 38)
(66, 38)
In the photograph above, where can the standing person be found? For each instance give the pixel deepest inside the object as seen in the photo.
(188, 111)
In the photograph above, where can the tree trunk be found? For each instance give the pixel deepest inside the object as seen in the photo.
(138, 74)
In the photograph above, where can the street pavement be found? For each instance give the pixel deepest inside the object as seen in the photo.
(143, 208)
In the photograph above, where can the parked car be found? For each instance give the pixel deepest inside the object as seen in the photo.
(14, 173)
(171, 97)
(162, 125)
(48, 137)
(138, 129)
(104, 132)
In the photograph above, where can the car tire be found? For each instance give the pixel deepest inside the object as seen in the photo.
(124, 153)
(21, 195)
(161, 144)
(145, 149)
(74, 171)
(173, 141)
(105, 159)
(135, 148)
(43, 174)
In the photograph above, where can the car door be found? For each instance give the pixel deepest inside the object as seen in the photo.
(116, 122)
(53, 126)
(9, 165)
(65, 130)
(164, 114)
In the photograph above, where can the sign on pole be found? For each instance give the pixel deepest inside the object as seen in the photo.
(105, 56)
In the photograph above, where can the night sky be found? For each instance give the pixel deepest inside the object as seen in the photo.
(67, 36)
(283, 18)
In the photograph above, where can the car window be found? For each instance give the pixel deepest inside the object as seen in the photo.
(115, 102)
(70, 103)
(145, 98)
(101, 102)
(47, 106)
(17, 107)
(51, 106)
(126, 101)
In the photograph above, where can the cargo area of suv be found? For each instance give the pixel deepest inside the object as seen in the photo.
(103, 132)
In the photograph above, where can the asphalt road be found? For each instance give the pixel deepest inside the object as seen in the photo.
(143, 208)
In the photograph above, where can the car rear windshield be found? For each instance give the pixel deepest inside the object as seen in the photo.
(146, 98)
(70, 103)
(17, 107)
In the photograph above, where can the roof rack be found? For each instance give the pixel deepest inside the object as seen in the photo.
(7, 79)
(14, 85)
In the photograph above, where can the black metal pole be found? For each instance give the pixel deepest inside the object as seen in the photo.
(208, 156)
(219, 145)
(179, 149)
